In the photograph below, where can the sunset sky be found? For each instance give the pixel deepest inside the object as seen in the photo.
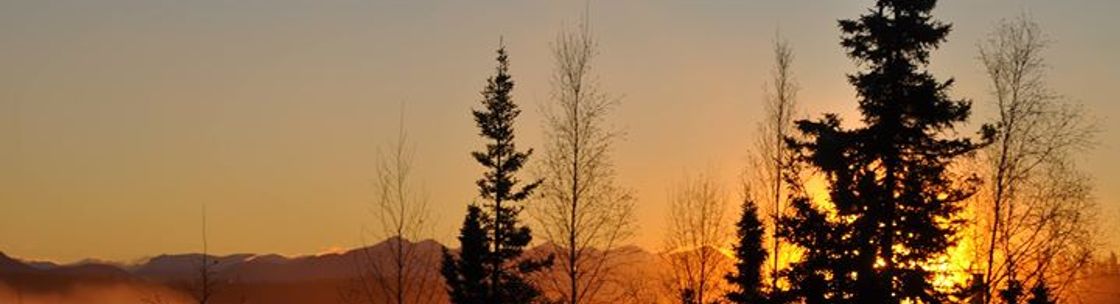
(119, 119)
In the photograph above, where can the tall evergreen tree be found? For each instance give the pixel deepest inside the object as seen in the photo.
(750, 255)
(502, 263)
(893, 203)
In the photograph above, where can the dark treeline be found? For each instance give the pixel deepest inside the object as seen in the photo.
(895, 198)
(895, 191)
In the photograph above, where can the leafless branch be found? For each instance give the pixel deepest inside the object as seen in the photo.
(695, 236)
(1037, 207)
(582, 211)
(402, 272)
(769, 158)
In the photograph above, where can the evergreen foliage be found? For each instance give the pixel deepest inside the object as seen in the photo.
(465, 275)
(750, 255)
(1040, 294)
(893, 203)
(502, 265)
(1012, 293)
(688, 296)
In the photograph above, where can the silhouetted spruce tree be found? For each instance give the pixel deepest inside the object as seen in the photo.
(466, 274)
(747, 276)
(1040, 294)
(895, 205)
(502, 264)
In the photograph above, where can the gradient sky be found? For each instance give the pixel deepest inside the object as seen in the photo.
(120, 118)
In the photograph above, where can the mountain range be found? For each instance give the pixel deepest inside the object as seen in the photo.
(323, 278)
(243, 278)
(248, 278)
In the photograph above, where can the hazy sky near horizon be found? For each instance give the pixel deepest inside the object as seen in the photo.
(120, 118)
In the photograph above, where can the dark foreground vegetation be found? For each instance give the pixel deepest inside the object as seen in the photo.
(884, 229)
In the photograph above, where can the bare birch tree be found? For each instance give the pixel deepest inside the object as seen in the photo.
(1038, 221)
(205, 284)
(404, 273)
(770, 157)
(583, 212)
(202, 287)
(697, 231)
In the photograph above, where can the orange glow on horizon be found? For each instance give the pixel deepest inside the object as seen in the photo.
(951, 270)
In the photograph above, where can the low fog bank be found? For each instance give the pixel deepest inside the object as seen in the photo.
(114, 293)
